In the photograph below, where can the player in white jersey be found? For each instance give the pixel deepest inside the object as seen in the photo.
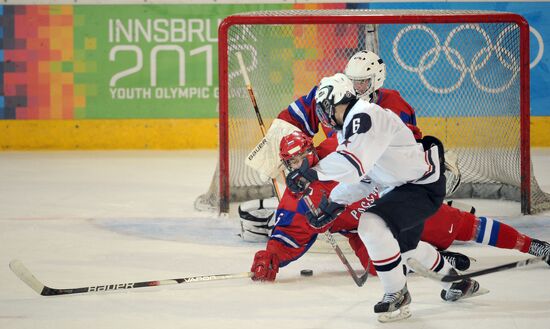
(374, 144)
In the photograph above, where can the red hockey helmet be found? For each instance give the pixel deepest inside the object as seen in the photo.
(294, 148)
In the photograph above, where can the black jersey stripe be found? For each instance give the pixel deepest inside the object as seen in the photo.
(431, 166)
(352, 160)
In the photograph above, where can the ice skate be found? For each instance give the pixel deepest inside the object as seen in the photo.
(457, 260)
(394, 306)
(462, 289)
(540, 248)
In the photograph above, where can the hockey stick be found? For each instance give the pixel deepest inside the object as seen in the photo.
(330, 239)
(417, 267)
(27, 277)
(256, 110)
(359, 280)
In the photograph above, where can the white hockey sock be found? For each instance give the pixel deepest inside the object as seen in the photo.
(383, 250)
(428, 256)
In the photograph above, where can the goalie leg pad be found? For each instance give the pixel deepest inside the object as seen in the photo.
(257, 219)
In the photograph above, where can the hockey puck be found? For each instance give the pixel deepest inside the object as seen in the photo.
(306, 272)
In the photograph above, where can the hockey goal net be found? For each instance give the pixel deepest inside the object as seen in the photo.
(466, 73)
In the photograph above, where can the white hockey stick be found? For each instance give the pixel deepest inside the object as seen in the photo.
(256, 110)
(28, 278)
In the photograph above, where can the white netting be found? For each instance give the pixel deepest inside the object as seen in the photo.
(463, 79)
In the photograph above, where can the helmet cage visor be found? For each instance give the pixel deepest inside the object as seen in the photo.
(325, 113)
(363, 86)
(295, 161)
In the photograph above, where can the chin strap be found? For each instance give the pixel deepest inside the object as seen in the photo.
(374, 97)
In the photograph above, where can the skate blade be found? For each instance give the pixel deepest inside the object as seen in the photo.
(401, 314)
(480, 292)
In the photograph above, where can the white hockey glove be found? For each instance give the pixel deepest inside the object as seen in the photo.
(264, 158)
(257, 219)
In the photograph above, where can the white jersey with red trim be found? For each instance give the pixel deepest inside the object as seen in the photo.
(375, 143)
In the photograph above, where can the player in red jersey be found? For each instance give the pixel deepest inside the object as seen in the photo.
(292, 236)
(368, 72)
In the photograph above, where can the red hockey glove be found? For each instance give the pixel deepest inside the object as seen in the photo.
(265, 266)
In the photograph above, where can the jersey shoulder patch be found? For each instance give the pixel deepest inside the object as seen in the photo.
(360, 123)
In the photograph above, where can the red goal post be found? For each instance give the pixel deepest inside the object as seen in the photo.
(279, 52)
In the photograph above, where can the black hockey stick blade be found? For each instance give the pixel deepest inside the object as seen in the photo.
(420, 269)
(23, 273)
(362, 279)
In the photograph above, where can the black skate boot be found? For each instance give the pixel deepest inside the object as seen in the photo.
(462, 289)
(391, 302)
(540, 248)
(457, 260)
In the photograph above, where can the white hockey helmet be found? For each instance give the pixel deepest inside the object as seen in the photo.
(332, 91)
(367, 71)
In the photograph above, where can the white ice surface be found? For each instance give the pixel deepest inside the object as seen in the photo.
(90, 218)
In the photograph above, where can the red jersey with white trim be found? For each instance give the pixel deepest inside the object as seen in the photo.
(292, 235)
(301, 113)
(391, 99)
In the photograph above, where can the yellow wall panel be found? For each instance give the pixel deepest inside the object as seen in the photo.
(201, 133)
(108, 134)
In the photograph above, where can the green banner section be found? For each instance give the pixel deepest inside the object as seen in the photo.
(154, 61)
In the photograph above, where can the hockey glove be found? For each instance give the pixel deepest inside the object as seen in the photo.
(298, 180)
(265, 266)
(328, 211)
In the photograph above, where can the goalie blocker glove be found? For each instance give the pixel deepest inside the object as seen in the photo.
(328, 212)
(298, 180)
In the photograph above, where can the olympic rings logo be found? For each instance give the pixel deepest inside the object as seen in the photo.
(479, 60)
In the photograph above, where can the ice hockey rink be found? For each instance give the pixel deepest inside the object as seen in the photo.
(90, 218)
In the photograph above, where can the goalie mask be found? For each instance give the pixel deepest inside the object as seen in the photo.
(332, 91)
(296, 147)
(367, 72)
